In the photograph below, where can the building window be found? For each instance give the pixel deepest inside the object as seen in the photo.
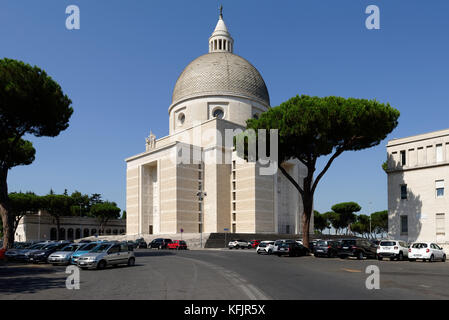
(404, 225)
(181, 118)
(404, 191)
(233, 175)
(199, 175)
(403, 159)
(440, 224)
(218, 113)
(233, 165)
(287, 229)
(233, 196)
(199, 206)
(233, 185)
(439, 152)
(200, 228)
(439, 186)
(234, 228)
(233, 206)
(150, 231)
(233, 216)
(200, 185)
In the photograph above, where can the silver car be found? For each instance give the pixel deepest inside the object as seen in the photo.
(64, 255)
(106, 254)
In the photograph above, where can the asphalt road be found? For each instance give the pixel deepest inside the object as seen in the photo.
(230, 275)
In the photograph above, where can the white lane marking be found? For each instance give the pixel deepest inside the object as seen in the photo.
(250, 290)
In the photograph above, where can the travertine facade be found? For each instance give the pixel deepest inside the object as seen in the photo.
(215, 92)
(418, 169)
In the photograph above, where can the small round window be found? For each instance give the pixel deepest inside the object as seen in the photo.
(218, 113)
(181, 118)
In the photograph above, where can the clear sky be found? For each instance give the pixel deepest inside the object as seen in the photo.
(120, 68)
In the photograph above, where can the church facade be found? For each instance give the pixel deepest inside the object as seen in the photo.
(192, 180)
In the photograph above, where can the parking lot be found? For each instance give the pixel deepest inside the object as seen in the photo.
(229, 275)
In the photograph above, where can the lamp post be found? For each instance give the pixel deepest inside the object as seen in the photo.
(201, 196)
(80, 223)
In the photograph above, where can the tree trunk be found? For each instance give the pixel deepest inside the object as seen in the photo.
(307, 201)
(7, 218)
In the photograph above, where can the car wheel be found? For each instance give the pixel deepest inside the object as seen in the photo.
(401, 256)
(342, 257)
(444, 258)
(360, 256)
(391, 258)
(379, 258)
(131, 262)
(237, 246)
(270, 251)
(432, 258)
(101, 264)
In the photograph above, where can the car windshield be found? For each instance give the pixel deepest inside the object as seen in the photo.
(321, 243)
(348, 242)
(48, 246)
(419, 245)
(262, 245)
(37, 246)
(88, 247)
(387, 243)
(70, 248)
(101, 248)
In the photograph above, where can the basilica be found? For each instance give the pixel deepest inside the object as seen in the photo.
(192, 181)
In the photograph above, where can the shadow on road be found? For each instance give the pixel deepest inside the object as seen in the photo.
(30, 284)
(151, 253)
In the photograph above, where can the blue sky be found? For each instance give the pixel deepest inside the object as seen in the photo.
(120, 68)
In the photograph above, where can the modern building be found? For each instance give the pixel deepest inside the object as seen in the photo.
(418, 169)
(42, 226)
(192, 179)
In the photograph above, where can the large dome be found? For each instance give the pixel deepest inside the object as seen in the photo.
(221, 73)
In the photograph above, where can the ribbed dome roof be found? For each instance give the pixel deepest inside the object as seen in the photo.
(221, 73)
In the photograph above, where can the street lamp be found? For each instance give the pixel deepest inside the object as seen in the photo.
(201, 195)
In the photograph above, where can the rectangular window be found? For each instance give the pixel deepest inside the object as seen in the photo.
(440, 224)
(234, 228)
(199, 217)
(233, 185)
(404, 191)
(439, 186)
(233, 165)
(233, 196)
(199, 206)
(199, 175)
(439, 152)
(200, 229)
(233, 175)
(403, 160)
(233, 216)
(404, 225)
(233, 206)
(287, 229)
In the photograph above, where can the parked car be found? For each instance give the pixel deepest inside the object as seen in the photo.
(141, 243)
(277, 243)
(23, 254)
(426, 251)
(64, 255)
(326, 248)
(106, 254)
(177, 245)
(393, 249)
(265, 247)
(85, 241)
(252, 244)
(237, 244)
(2, 254)
(159, 243)
(292, 250)
(42, 255)
(358, 248)
(85, 248)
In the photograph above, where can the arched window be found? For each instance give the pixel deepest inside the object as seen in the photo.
(115, 231)
(61, 234)
(108, 231)
(122, 231)
(53, 234)
(78, 233)
(85, 233)
(70, 234)
(93, 232)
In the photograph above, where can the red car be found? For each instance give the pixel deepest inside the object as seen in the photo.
(253, 243)
(2, 254)
(177, 245)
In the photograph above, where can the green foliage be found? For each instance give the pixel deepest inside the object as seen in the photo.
(385, 166)
(15, 154)
(379, 221)
(346, 210)
(30, 102)
(320, 221)
(123, 215)
(104, 211)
